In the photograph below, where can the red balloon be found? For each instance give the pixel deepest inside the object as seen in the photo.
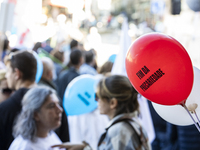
(160, 69)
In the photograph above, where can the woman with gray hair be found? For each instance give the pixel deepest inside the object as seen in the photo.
(41, 113)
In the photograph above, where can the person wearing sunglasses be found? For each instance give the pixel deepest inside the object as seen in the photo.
(118, 100)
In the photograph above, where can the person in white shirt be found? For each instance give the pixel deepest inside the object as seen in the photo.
(41, 114)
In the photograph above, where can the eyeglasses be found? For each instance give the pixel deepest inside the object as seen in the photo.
(6, 91)
(96, 97)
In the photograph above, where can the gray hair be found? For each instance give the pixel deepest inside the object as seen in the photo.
(47, 65)
(31, 103)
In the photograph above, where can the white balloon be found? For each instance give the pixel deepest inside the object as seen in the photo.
(194, 5)
(177, 114)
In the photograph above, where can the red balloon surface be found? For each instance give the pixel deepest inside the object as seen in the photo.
(160, 69)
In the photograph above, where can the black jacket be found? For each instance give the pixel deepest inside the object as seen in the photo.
(183, 137)
(64, 79)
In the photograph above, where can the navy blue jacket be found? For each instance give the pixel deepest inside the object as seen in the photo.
(183, 137)
(64, 79)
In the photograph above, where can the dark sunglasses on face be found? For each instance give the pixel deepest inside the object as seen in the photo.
(6, 91)
(96, 97)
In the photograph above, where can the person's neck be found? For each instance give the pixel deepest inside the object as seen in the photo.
(25, 84)
(77, 67)
(42, 132)
(111, 115)
(91, 64)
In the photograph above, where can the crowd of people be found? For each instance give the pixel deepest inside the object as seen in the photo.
(32, 115)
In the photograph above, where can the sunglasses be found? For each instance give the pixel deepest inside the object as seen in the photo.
(6, 91)
(96, 97)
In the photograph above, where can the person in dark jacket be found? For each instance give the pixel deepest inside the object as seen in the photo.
(47, 74)
(160, 126)
(66, 76)
(21, 72)
(183, 137)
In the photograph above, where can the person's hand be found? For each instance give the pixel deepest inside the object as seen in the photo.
(70, 146)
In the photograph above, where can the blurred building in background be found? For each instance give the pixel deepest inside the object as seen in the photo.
(26, 22)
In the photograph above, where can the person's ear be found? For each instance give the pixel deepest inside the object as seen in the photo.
(18, 74)
(82, 60)
(36, 117)
(113, 103)
(50, 75)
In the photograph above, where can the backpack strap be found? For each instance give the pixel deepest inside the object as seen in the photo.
(141, 137)
(104, 135)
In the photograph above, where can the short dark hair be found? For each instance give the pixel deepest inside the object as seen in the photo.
(37, 45)
(14, 50)
(73, 44)
(89, 56)
(25, 62)
(75, 56)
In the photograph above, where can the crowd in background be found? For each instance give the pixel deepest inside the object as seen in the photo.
(42, 106)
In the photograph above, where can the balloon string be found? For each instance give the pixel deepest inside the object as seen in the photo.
(197, 126)
(197, 117)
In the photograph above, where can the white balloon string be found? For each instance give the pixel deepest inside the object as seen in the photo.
(197, 116)
(197, 126)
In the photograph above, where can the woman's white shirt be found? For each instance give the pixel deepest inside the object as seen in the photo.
(20, 143)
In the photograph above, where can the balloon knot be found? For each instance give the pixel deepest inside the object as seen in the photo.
(182, 103)
(192, 107)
